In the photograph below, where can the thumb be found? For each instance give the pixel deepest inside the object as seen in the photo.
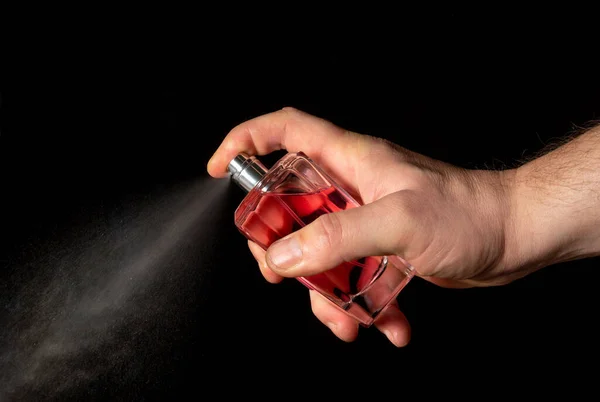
(332, 239)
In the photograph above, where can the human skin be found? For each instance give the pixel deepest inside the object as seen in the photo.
(458, 227)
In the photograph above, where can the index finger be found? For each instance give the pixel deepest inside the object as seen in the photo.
(294, 131)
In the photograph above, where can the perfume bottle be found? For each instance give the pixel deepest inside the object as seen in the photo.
(292, 194)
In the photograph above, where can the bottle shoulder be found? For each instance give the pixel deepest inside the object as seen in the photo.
(294, 172)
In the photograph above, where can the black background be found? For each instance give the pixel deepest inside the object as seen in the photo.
(104, 119)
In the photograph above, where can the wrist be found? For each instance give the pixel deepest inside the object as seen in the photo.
(488, 196)
(500, 218)
(507, 222)
(545, 229)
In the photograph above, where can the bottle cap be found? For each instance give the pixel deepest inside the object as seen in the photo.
(246, 171)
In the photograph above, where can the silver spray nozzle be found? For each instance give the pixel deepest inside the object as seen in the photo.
(246, 171)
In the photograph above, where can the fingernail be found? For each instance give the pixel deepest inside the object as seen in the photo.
(331, 325)
(285, 253)
(392, 336)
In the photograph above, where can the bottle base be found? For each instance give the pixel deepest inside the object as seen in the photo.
(366, 306)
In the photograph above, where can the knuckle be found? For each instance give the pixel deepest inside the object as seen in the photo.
(330, 231)
(290, 113)
(289, 109)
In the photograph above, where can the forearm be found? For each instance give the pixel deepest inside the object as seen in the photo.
(555, 205)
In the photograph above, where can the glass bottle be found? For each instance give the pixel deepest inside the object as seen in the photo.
(292, 194)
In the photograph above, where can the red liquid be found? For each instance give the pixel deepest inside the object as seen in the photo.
(277, 214)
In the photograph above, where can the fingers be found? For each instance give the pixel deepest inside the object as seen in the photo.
(371, 230)
(285, 129)
(342, 325)
(259, 255)
(392, 322)
(394, 325)
(293, 130)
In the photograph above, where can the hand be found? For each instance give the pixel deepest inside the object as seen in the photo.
(451, 224)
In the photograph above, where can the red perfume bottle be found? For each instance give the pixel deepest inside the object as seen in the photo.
(292, 194)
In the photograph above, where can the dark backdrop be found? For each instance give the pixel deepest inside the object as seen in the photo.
(121, 275)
